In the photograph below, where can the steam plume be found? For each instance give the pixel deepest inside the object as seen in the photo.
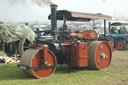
(37, 2)
(42, 2)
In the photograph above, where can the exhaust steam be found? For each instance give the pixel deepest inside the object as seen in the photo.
(37, 2)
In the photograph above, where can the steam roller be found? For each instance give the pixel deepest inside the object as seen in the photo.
(38, 63)
(99, 54)
(76, 48)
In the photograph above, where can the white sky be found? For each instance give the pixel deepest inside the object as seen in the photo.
(31, 12)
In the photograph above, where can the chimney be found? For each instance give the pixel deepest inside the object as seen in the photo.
(53, 20)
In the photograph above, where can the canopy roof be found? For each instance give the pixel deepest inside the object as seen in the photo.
(78, 16)
(118, 24)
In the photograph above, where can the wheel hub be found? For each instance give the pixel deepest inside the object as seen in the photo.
(102, 56)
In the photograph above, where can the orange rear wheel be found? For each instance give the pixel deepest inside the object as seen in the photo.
(121, 45)
(32, 58)
(99, 55)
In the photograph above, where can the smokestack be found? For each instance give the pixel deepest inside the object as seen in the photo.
(53, 19)
(105, 29)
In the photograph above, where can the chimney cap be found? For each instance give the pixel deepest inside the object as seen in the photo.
(54, 6)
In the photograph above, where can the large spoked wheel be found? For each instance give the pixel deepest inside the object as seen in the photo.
(121, 45)
(32, 58)
(99, 54)
(23, 45)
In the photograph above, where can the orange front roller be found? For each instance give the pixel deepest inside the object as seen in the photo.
(34, 58)
(99, 54)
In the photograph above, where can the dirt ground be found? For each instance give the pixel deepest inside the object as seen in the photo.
(120, 58)
(120, 61)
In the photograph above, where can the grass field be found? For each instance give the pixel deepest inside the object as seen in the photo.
(1, 52)
(116, 74)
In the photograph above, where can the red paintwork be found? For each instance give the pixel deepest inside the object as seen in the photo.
(111, 44)
(65, 49)
(84, 35)
(79, 56)
(66, 43)
(120, 45)
(45, 53)
(48, 57)
(101, 62)
(88, 35)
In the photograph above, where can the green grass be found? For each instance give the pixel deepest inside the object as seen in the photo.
(12, 75)
(1, 52)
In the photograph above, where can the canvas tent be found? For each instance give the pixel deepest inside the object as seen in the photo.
(9, 33)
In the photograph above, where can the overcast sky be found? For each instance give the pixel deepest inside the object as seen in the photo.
(31, 12)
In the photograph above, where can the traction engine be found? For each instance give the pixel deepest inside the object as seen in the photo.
(63, 46)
